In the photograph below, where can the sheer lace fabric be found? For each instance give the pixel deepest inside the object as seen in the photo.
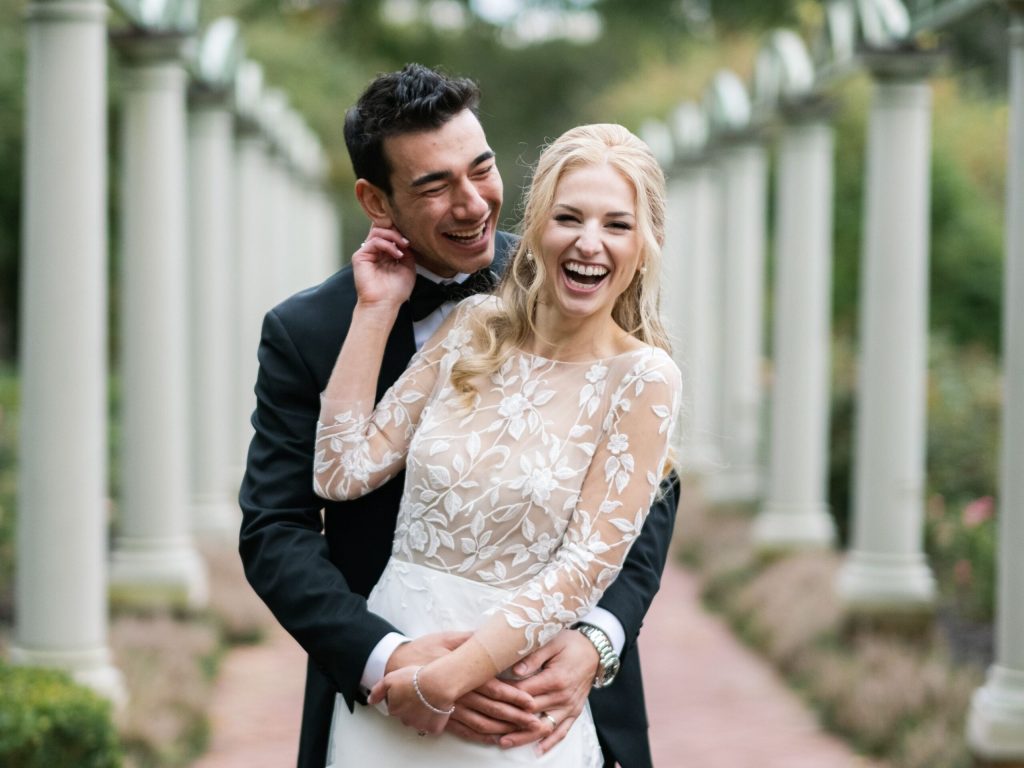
(539, 488)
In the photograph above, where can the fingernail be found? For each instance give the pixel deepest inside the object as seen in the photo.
(538, 750)
(520, 669)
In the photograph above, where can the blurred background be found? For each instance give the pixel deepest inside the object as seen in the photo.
(544, 66)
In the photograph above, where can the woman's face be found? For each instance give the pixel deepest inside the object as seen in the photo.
(590, 244)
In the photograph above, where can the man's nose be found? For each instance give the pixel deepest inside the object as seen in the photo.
(469, 203)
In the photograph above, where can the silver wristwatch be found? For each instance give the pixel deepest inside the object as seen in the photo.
(608, 660)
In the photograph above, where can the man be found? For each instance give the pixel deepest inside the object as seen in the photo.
(424, 169)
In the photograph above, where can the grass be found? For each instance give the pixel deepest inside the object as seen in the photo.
(897, 697)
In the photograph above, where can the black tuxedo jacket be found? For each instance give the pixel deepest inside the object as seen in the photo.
(316, 585)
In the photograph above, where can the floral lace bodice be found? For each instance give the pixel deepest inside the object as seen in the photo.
(540, 487)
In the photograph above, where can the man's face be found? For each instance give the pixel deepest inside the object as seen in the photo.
(446, 195)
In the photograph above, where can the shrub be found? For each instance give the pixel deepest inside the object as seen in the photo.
(47, 720)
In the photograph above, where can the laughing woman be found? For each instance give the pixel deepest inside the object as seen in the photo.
(534, 430)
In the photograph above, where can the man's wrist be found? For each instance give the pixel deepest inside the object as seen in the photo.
(608, 660)
(379, 659)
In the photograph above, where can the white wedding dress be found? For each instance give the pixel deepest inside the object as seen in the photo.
(517, 512)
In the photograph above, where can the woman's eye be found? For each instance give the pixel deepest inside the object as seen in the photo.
(620, 225)
(564, 217)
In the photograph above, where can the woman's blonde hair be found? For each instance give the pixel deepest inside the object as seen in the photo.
(637, 310)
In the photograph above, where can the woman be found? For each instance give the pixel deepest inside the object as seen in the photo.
(533, 428)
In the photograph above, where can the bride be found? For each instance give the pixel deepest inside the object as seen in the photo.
(534, 429)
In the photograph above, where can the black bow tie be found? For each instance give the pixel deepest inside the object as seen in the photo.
(427, 295)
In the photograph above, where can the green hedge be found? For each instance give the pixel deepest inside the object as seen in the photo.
(47, 721)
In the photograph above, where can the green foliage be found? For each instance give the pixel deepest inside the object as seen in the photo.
(12, 67)
(46, 720)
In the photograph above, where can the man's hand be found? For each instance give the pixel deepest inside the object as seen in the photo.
(558, 676)
(423, 650)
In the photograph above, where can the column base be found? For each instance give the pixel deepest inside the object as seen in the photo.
(886, 584)
(995, 721)
(158, 572)
(215, 518)
(89, 667)
(782, 527)
(733, 485)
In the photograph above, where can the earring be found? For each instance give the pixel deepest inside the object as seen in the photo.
(643, 270)
(529, 255)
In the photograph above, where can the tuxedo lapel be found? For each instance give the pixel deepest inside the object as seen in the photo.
(399, 350)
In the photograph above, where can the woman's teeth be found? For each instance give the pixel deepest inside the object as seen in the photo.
(585, 274)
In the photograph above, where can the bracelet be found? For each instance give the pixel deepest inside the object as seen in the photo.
(423, 699)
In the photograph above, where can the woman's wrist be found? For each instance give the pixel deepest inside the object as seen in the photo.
(437, 700)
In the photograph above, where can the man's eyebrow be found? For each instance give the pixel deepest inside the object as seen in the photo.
(429, 178)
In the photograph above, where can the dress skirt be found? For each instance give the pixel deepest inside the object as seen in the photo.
(420, 601)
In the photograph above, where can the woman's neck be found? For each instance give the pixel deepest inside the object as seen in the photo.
(577, 338)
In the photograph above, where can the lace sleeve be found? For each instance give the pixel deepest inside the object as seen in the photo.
(616, 494)
(360, 447)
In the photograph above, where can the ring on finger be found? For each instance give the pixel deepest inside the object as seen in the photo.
(549, 718)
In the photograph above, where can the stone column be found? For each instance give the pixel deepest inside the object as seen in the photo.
(701, 294)
(674, 274)
(995, 724)
(60, 581)
(154, 559)
(886, 571)
(211, 311)
(743, 165)
(795, 513)
(250, 265)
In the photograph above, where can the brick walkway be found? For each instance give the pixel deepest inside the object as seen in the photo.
(712, 703)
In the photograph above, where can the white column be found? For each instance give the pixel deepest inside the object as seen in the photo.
(278, 283)
(886, 570)
(154, 559)
(744, 178)
(211, 311)
(674, 274)
(995, 723)
(249, 268)
(795, 513)
(60, 581)
(703, 292)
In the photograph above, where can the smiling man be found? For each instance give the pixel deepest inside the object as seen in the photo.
(425, 170)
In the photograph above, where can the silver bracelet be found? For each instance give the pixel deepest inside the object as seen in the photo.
(423, 699)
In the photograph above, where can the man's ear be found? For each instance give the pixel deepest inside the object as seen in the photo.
(375, 204)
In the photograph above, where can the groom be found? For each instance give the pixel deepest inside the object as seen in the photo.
(425, 169)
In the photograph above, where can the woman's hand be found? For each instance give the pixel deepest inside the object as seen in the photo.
(383, 268)
(404, 703)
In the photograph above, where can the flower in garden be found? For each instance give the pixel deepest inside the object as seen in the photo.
(963, 572)
(978, 511)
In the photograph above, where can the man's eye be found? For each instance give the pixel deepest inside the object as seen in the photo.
(433, 191)
(484, 171)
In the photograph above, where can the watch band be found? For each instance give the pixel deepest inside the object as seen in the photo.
(608, 661)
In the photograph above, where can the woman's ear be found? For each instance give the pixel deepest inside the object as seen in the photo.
(375, 204)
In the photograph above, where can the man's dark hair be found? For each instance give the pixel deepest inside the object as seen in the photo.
(415, 99)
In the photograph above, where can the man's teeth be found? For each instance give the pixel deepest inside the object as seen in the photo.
(587, 270)
(468, 235)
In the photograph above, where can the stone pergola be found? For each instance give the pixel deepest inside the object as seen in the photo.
(211, 162)
(718, 178)
(224, 213)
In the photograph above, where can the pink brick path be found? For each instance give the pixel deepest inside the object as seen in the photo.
(712, 703)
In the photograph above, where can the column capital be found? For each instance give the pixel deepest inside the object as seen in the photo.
(205, 95)
(142, 47)
(897, 64)
(66, 10)
(813, 108)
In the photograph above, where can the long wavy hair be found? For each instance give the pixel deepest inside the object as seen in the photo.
(637, 310)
